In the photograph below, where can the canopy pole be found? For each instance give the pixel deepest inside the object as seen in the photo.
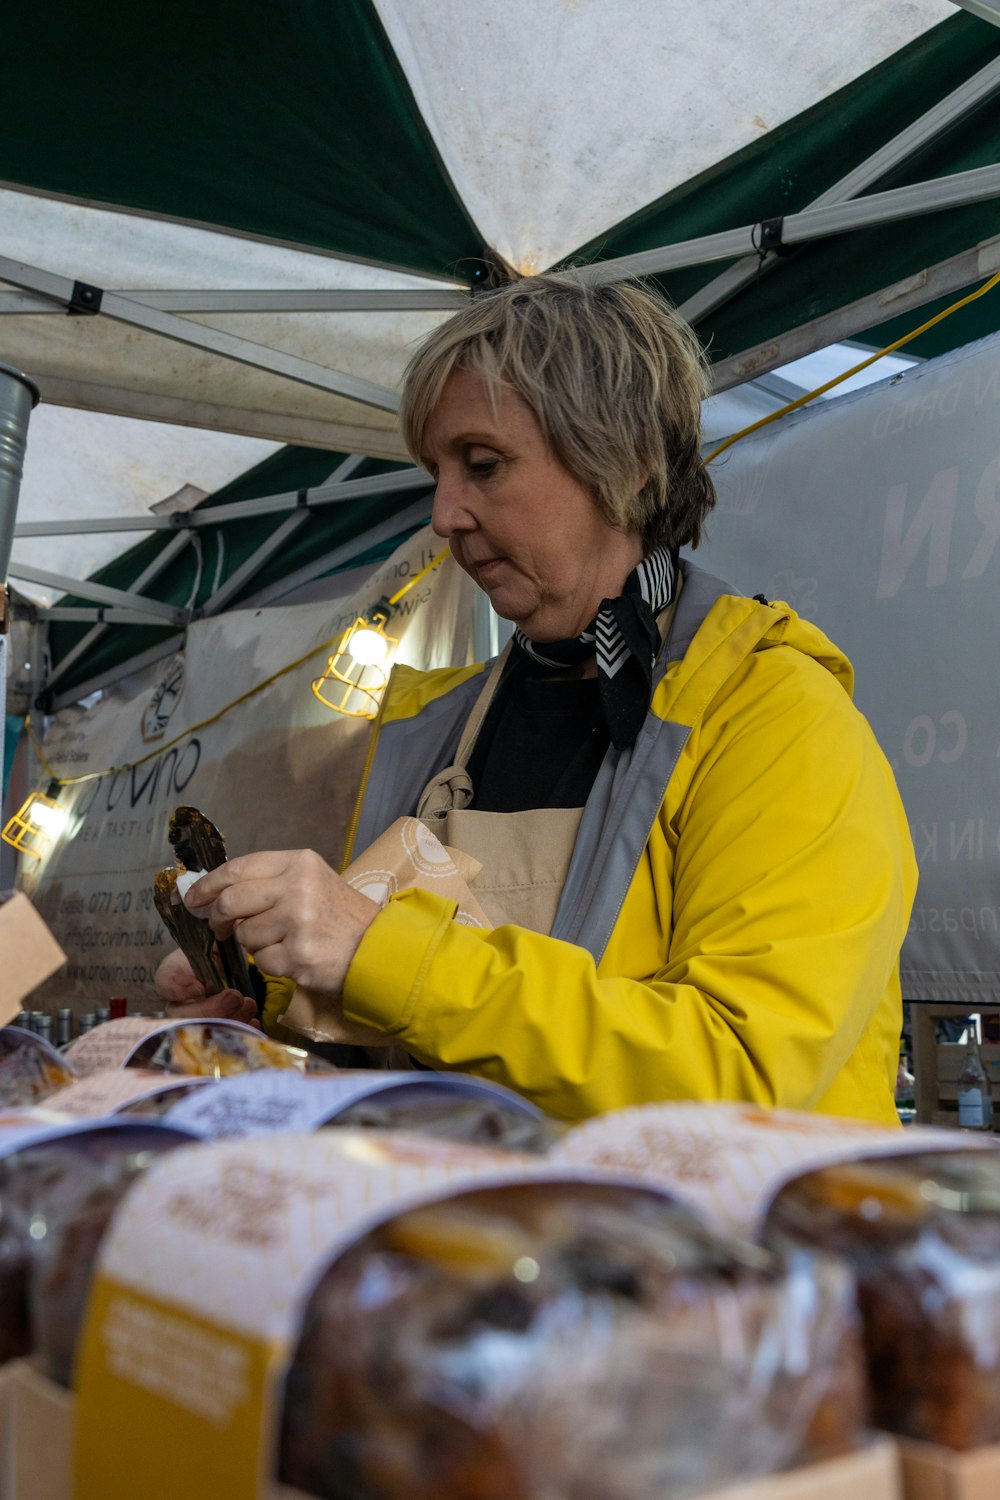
(18, 397)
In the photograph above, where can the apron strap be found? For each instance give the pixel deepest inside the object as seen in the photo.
(452, 786)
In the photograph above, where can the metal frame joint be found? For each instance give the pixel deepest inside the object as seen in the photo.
(85, 301)
(768, 236)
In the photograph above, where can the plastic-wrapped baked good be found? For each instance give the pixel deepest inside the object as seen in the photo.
(205, 1049)
(57, 1197)
(565, 1339)
(30, 1069)
(156, 1106)
(922, 1233)
(454, 1116)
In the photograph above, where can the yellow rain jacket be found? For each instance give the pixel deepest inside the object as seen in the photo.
(752, 941)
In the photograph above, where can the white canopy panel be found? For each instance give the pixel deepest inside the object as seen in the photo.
(555, 125)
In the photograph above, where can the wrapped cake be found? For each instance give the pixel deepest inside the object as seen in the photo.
(217, 1049)
(563, 1339)
(480, 1118)
(452, 1106)
(375, 1314)
(30, 1068)
(57, 1196)
(922, 1235)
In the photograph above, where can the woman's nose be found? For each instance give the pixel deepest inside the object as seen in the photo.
(449, 513)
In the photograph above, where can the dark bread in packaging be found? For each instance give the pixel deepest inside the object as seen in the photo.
(578, 1340)
(922, 1235)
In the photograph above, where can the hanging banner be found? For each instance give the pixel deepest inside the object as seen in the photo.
(877, 516)
(273, 769)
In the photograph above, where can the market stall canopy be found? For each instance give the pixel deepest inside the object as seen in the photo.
(242, 217)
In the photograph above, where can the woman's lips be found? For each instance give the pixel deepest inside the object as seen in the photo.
(487, 567)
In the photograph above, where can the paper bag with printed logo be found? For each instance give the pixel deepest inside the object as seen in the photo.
(406, 857)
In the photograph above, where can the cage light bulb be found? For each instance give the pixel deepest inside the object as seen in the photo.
(368, 647)
(51, 820)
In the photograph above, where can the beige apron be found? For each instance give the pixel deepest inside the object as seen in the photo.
(524, 855)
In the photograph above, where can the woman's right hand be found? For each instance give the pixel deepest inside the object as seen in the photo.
(185, 999)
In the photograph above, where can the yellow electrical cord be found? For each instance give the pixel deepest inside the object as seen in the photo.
(251, 693)
(821, 390)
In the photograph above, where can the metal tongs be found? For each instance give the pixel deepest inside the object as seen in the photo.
(199, 846)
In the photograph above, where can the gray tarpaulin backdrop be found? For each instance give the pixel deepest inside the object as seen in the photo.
(877, 516)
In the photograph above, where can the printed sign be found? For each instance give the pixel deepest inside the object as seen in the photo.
(279, 770)
(877, 516)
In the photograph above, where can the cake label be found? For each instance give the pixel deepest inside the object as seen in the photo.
(201, 1287)
(259, 1103)
(728, 1161)
(113, 1043)
(114, 1089)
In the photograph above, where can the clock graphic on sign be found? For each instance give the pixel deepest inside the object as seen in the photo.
(163, 700)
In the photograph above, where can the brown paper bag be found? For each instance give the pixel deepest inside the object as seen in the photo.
(406, 857)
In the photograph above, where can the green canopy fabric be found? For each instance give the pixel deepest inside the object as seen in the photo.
(272, 203)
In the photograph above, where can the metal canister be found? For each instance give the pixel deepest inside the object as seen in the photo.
(64, 1027)
(18, 394)
(44, 1027)
(102, 1014)
(87, 1022)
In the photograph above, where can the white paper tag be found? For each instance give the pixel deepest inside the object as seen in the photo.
(112, 1044)
(259, 1103)
(729, 1160)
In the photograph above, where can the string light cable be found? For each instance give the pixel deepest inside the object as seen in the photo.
(259, 687)
(783, 411)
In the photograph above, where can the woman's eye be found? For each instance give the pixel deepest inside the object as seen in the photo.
(483, 467)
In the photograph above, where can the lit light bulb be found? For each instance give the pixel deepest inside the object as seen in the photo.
(51, 820)
(368, 647)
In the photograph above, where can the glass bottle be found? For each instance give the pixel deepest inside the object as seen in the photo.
(975, 1092)
(906, 1103)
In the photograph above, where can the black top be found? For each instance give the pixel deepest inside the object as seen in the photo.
(541, 744)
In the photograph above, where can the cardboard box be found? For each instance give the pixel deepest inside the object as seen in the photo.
(39, 1455)
(933, 1473)
(29, 954)
(5, 1466)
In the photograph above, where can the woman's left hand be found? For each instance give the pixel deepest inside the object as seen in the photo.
(296, 916)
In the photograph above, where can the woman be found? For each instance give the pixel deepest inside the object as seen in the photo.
(699, 847)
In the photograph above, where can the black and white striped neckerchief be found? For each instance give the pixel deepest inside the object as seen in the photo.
(625, 637)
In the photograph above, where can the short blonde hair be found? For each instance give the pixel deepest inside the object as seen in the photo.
(615, 378)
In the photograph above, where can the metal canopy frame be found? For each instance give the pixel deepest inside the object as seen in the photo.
(840, 209)
(946, 112)
(139, 314)
(961, 188)
(330, 300)
(986, 10)
(867, 312)
(332, 492)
